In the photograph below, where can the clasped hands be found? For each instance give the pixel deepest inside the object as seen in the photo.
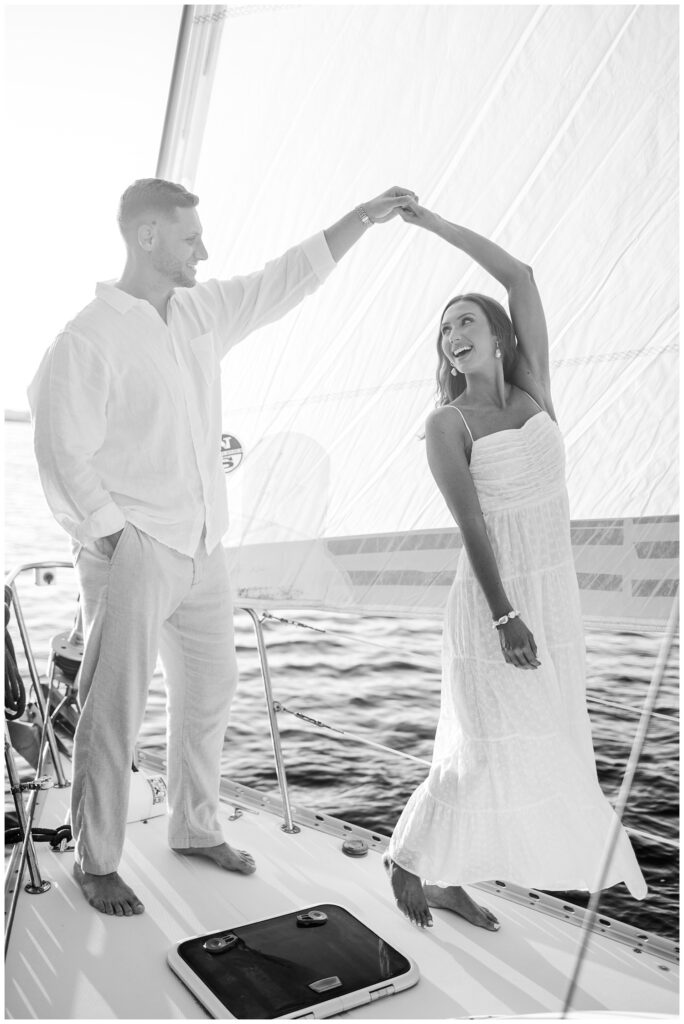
(389, 204)
(398, 201)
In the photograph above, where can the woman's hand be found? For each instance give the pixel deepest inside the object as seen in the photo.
(517, 644)
(413, 213)
(389, 204)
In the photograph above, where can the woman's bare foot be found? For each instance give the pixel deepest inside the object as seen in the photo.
(223, 855)
(108, 893)
(453, 897)
(408, 893)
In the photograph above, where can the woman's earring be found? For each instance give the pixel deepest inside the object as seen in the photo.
(454, 371)
(498, 350)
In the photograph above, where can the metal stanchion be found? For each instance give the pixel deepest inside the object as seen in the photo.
(62, 781)
(288, 825)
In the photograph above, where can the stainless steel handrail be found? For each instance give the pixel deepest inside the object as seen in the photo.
(288, 825)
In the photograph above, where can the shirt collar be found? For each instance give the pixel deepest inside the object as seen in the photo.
(115, 297)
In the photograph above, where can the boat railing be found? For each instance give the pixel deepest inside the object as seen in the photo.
(275, 707)
(44, 571)
(23, 853)
(646, 713)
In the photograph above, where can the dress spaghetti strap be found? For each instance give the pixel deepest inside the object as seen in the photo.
(464, 420)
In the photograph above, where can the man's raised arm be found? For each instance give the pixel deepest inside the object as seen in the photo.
(240, 305)
(342, 235)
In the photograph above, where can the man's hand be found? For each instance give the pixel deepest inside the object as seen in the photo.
(111, 541)
(389, 204)
(347, 231)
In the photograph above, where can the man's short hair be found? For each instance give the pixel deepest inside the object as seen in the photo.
(153, 195)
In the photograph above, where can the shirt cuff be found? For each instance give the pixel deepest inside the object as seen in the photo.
(107, 520)
(319, 255)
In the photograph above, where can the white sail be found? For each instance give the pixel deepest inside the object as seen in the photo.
(552, 130)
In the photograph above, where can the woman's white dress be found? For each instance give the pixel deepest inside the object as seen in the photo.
(513, 793)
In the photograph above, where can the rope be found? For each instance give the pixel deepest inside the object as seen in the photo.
(58, 838)
(625, 789)
(627, 708)
(15, 691)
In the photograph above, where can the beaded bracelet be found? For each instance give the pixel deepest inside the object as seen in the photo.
(365, 219)
(504, 619)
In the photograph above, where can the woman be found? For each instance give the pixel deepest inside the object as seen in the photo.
(512, 792)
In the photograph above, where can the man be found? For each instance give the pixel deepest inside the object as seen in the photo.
(126, 407)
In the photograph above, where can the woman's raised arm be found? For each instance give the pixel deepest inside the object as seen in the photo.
(527, 313)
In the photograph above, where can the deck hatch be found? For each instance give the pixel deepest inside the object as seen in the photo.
(277, 968)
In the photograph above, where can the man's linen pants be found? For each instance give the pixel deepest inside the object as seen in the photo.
(149, 599)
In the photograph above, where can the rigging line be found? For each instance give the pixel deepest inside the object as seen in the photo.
(625, 789)
(663, 840)
(674, 719)
(350, 735)
(635, 710)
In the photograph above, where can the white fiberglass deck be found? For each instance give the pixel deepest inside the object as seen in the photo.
(68, 961)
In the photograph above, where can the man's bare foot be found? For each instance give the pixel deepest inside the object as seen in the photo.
(223, 855)
(408, 893)
(453, 897)
(108, 893)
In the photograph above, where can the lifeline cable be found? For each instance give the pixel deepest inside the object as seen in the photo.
(627, 708)
(277, 706)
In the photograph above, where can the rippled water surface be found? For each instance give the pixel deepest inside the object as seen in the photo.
(379, 678)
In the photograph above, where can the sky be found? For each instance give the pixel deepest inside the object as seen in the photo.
(85, 97)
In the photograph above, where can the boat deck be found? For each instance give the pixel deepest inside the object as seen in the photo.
(67, 961)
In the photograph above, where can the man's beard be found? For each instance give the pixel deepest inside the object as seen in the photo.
(175, 271)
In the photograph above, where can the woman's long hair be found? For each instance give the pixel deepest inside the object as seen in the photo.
(450, 387)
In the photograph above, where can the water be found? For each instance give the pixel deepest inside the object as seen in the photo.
(388, 692)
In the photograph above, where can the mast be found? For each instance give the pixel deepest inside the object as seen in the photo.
(192, 79)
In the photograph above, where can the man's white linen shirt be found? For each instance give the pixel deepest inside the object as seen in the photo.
(127, 408)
